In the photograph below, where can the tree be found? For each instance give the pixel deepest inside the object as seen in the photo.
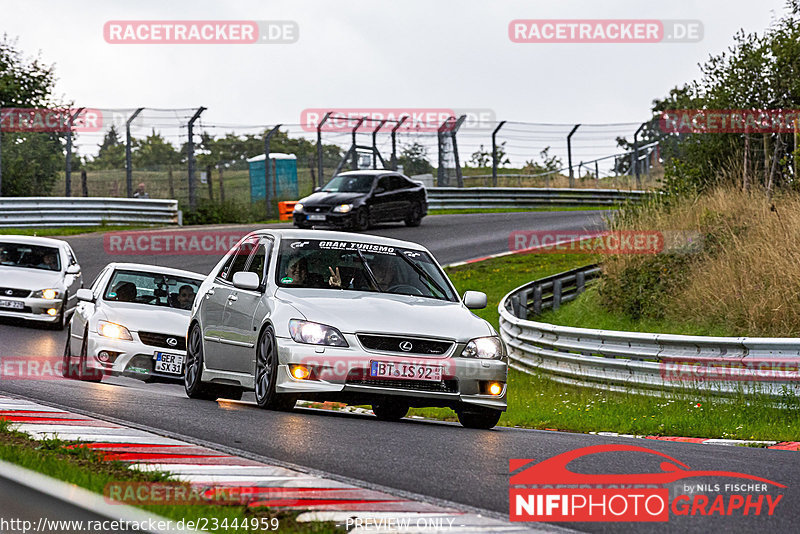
(483, 158)
(548, 164)
(414, 159)
(154, 151)
(31, 161)
(111, 154)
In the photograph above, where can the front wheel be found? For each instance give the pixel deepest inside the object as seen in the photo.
(414, 217)
(267, 374)
(390, 411)
(361, 220)
(193, 372)
(484, 419)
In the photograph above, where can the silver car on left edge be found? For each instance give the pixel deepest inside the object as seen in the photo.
(355, 318)
(39, 279)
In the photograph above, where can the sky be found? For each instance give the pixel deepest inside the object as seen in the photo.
(453, 54)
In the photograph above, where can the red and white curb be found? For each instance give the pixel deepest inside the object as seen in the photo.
(316, 497)
(766, 444)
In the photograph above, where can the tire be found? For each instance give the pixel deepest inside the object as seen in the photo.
(361, 220)
(86, 374)
(266, 374)
(193, 371)
(414, 217)
(61, 320)
(67, 370)
(390, 410)
(484, 419)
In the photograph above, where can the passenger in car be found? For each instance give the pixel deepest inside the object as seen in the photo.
(298, 275)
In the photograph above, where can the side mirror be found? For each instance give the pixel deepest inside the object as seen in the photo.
(316, 189)
(85, 295)
(246, 280)
(74, 269)
(474, 300)
(379, 190)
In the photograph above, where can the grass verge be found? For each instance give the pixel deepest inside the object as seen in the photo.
(68, 230)
(88, 469)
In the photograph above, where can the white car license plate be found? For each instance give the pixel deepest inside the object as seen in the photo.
(405, 371)
(168, 363)
(15, 304)
(316, 217)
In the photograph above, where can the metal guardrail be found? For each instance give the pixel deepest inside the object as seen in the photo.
(639, 362)
(526, 197)
(20, 212)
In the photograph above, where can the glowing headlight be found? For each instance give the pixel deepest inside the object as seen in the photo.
(343, 208)
(315, 333)
(48, 294)
(113, 330)
(298, 207)
(483, 347)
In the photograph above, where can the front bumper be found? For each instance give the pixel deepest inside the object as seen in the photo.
(33, 309)
(339, 373)
(341, 220)
(132, 359)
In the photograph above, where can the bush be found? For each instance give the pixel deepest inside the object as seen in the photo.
(230, 211)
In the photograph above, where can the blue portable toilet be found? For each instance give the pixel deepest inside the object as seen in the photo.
(284, 176)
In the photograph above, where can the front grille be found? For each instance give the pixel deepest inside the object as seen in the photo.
(160, 340)
(12, 292)
(316, 209)
(393, 344)
(445, 386)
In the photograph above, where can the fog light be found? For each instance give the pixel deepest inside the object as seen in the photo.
(300, 372)
(495, 388)
(52, 312)
(103, 356)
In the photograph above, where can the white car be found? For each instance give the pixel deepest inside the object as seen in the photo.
(131, 322)
(39, 279)
(354, 318)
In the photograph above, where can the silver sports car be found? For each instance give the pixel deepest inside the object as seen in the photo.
(353, 318)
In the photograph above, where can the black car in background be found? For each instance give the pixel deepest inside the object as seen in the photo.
(359, 199)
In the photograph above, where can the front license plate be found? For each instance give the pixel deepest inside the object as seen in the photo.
(405, 371)
(15, 304)
(316, 217)
(168, 363)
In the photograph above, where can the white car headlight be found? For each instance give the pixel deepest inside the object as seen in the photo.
(48, 294)
(484, 347)
(343, 208)
(316, 334)
(113, 331)
(298, 207)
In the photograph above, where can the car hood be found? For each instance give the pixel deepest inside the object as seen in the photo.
(136, 317)
(33, 279)
(358, 311)
(330, 199)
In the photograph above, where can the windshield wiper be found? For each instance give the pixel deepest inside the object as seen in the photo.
(372, 279)
(424, 275)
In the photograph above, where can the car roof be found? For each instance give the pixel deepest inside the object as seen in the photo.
(156, 269)
(32, 240)
(341, 236)
(371, 172)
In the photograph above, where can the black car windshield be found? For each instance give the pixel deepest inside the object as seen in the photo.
(30, 256)
(154, 289)
(354, 183)
(355, 266)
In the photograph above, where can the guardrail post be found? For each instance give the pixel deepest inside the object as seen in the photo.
(128, 167)
(556, 294)
(68, 173)
(268, 171)
(394, 142)
(494, 153)
(319, 149)
(523, 304)
(580, 282)
(569, 155)
(537, 299)
(190, 156)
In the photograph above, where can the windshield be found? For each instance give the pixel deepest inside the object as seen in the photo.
(354, 266)
(30, 256)
(355, 183)
(153, 289)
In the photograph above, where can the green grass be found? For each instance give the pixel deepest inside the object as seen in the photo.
(86, 468)
(535, 401)
(587, 311)
(67, 230)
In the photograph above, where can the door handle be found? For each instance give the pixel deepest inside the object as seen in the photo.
(233, 298)
(209, 293)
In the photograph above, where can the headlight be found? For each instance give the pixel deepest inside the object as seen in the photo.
(315, 333)
(48, 294)
(484, 347)
(298, 207)
(343, 208)
(114, 331)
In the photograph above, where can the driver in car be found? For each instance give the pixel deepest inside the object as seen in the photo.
(186, 297)
(48, 262)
